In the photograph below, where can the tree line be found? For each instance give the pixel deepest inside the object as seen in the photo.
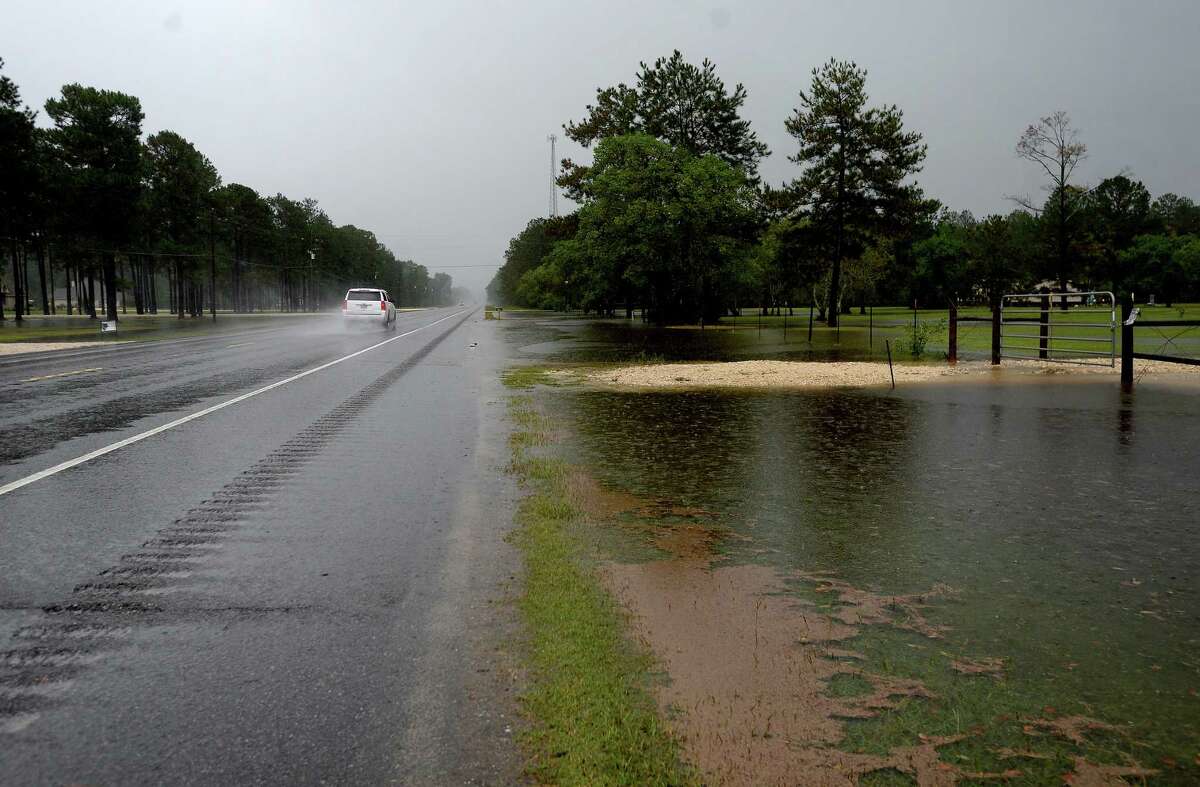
(674, 220)
(105, 216)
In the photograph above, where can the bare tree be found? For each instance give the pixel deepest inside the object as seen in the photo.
(1053, 144)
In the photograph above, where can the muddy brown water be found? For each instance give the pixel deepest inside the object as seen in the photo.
(1065, 514)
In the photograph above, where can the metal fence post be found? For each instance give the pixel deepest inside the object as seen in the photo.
(1044, 327)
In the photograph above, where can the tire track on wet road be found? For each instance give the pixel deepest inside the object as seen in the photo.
(54, 651)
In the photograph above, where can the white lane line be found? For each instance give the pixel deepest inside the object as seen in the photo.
(60, 374)
(108, 449)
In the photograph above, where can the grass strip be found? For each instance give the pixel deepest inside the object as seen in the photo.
(593, 720)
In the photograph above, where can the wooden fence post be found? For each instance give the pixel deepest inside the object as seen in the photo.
(952, 350)
(1126, 344)
(995, 334)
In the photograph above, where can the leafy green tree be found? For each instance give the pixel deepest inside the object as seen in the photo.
(943, 260)
(1187, 260)
(856, 163)
(792, 259)
(1176, 215)
(299, 224)
(667, 223)
(1149, 264)
(1118, 211)
(685, 105)
(249, 232)
(96, 136)
(965, 259)
(18, 178)
(181, 183)
(999, 255)
(526, 252)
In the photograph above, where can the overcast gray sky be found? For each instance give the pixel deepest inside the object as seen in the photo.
(427, 122)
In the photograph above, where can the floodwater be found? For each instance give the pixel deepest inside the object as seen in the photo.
(1065, 514)
(600, 341)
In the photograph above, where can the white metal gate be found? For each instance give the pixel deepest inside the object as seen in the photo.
(1071, 327)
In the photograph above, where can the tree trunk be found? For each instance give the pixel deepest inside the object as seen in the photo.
(41, 263)
(179, 286)
(25, 279)
(91, 293)
(18, 293)
(1063, 244)
(110, 286)
(835, 281)
(152, 284)
(50, 267)
(137, 269)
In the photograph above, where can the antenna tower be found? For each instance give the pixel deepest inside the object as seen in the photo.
(553, 183)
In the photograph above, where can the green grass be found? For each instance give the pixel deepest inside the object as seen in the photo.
(146, 327)
(593, 720)
(993, 715)
(526, 377)
(895, 323)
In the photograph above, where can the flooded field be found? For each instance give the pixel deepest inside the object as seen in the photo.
(1057, 520)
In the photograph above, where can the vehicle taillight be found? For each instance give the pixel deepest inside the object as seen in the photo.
(345, 305)
(383, 306)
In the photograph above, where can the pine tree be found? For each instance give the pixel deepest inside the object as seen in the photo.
(856, 162)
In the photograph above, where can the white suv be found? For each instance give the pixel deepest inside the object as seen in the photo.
(367, 305)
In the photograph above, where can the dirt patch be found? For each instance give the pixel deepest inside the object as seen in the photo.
(993, 668)
(1089, 774)
(660, 509)
(1070, 727)
(1010, 754)
(750, 670)
(689, 542)
(826, 374)
(858, 607)
(597, 500)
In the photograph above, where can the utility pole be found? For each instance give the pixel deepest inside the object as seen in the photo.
(553, 182)
(212, 261)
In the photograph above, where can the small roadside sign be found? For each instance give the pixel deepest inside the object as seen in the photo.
(108, 326)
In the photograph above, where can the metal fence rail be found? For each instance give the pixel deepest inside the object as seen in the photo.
(1059, 335)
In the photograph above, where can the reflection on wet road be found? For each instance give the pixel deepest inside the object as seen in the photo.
(291, 588)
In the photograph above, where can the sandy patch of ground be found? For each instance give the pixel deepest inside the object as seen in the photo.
(826, 374)
(749, 666)
(17, 348)
(749, 672)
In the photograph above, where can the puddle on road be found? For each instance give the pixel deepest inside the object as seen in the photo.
(1056, 523)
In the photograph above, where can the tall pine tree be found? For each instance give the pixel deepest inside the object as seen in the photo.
(856, 163)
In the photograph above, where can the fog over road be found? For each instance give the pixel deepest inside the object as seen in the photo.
(299, 587)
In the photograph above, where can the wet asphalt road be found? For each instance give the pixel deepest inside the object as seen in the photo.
(299, 588)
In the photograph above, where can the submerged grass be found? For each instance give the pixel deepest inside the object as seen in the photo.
(526, 377)
(593, 720)
(999, 717)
